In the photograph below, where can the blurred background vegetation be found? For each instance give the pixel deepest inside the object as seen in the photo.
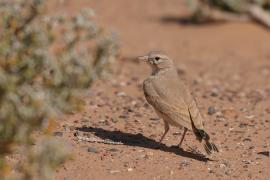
(230, 10)
(45, 63)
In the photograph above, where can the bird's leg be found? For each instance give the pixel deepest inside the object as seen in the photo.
(183, 136)
(166, 127)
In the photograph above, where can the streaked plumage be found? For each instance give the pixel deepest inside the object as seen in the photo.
(172, 100)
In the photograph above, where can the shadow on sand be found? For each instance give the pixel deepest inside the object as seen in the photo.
(187, 21)
(141, 141)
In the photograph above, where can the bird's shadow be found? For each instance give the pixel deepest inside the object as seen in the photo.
(140, 141)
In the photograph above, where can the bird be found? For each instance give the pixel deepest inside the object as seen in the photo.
(172, 100)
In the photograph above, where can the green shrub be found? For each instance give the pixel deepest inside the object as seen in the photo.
(45, 63)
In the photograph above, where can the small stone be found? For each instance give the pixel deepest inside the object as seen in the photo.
(77, 133)
(130, 169)
(210, 170)
(222, 166)
(121, 94)
(58, 133)
(246, 161)
(183, 163)
(246, 139)
(265, 153)
(154, 119)
(211, 110)
(72, 128)
(243, 125)
(214, 92)
(123, 116)
(114, 171)
(113, 150)
(65, 126)
(177, 133)
(250, 116)
(92, 149)
(133, 103)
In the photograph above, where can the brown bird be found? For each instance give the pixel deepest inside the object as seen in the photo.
(172, 100)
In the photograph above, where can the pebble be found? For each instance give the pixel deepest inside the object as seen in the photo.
(247, 139)
(130, 169)
(210, 170)
(250, 116)
(183, 163)
(65, 126)
(114, 171)
(222, 166)
(92, 149)
(177, 133)
(113, 150)
(77, 133)
(154, 119)
(214, 92)
(123, 116)
(58, 133)
(265, 153)
(121, 94)
(211, 110)
(72, 128)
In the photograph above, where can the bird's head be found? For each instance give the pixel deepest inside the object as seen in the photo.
(157, 60)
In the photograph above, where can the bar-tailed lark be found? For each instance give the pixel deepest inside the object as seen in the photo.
(172, 100)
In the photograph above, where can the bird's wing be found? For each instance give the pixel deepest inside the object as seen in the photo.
(177, 113)
(174, 101)
(194, 112)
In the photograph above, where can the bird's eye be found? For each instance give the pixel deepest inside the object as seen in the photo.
(157, 58)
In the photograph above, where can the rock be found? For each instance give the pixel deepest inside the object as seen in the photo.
(121, 94)
(65, 126)
(92, 149)
(113, 150)
(58, 133)
(211, 110)
(222, 166)
(123, 116)
(246, 139)
(72, 128)
(77, 133)
(214, 92)
(114, 171)
(130, 169)
(183, 163)
(243, 125)
(154, 119)
(210, 170)
(177, 133)
(265, 153)
(250, 116)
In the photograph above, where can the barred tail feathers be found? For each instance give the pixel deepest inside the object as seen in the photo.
(208, 145)
(201, 135)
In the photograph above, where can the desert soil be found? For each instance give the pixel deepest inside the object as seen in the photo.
(225, 65)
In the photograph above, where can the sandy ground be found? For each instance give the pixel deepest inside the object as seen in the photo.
(226, 66)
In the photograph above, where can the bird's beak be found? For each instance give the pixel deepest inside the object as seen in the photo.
(144, 58)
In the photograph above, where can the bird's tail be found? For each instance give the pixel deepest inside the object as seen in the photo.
(201, 135)
(209, 146)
